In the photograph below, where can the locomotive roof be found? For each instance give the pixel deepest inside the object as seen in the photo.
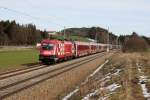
(50, 41)
(55, 41)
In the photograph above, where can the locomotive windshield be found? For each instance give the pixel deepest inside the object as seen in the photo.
(47, 46)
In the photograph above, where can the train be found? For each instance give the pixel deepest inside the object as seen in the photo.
(52, 51)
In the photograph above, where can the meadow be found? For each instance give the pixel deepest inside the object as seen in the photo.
(17, 58)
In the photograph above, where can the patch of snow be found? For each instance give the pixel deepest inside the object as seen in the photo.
(71, 94)
(108, 74)
(145, 91)
(105, 78)
(143, 77)
(77, 89)
(108, 77)
(117, 72)
(97, 70)
(142, 81)
(87, 97)
(113, 87)
(103, 98)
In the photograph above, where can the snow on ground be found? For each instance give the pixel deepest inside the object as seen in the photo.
(96, 71)
(117, 72)
(145, 93)
(142, 81)
(67, 97)
(87, 97)
(103, 98)
(71, 94)
(144, 78)
(105, 78)
(112, 87)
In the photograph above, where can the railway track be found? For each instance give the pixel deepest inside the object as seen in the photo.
(16, 81)
(20, 71)
(23, 70)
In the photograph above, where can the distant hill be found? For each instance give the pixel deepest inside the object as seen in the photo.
(97, 33)
(78, 31)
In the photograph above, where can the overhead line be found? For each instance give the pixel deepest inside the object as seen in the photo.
(25, 14)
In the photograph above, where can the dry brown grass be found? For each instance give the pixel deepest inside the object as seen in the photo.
(131, 90)
(128, 79)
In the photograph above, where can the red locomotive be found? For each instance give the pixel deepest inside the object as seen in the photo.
(57, 50)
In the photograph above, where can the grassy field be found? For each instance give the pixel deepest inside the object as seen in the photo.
(16, 59)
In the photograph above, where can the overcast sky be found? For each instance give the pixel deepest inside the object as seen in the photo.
(121, 16)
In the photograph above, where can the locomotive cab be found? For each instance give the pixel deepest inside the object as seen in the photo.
(48, 52)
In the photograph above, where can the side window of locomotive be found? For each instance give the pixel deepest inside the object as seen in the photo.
(47, 46)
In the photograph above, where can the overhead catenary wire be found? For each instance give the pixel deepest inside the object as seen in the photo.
(28, 15)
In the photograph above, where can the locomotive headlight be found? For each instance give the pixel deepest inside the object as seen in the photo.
(46, 52)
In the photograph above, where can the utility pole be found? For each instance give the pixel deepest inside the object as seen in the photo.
(108, 40)
(96, 34)
(117, 42)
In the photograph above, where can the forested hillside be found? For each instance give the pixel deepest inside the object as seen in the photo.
(12, 33)
(97, 33)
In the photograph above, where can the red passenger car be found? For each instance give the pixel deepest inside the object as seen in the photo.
(81, 48)
(93, 47)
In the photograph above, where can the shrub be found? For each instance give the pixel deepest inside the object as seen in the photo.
(135, 44)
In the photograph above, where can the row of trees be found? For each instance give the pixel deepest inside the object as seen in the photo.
(12, 33)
